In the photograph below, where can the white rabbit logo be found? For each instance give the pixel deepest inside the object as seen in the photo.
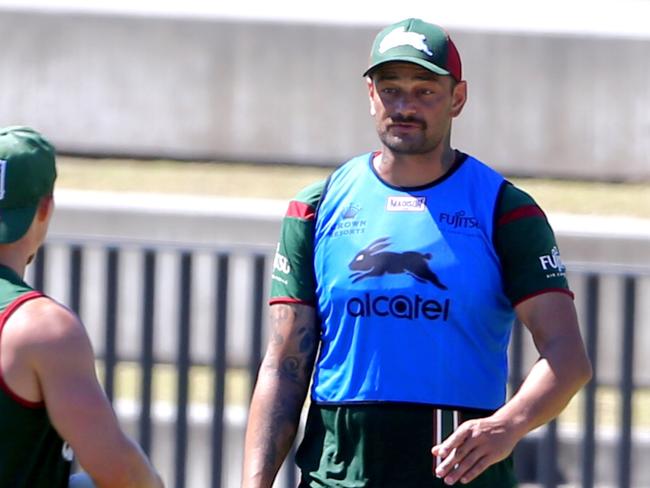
(399, 37)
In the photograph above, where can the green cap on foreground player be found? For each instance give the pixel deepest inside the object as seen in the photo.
(27, 173)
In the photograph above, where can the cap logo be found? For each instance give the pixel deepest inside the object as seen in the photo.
(399, 37)
(3, 166)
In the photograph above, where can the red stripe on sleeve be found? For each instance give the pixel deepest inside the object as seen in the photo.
(300, 210)
(521, 213)
(541, 292)
(287, 300)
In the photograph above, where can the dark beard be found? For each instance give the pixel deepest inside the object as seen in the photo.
(419, 145)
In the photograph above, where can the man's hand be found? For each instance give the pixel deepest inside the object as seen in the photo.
(476, 445)
(561, 370)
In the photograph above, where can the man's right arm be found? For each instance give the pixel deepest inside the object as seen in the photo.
(280, 392)
(285, 373)
(63, 362)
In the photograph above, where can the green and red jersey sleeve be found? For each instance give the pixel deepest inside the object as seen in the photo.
(526, 246)
(523, 239)
(293, 278)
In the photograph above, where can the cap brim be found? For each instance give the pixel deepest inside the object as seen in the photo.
(15, 222)
(407, 59)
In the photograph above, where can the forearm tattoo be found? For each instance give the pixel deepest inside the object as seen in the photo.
(279, 316)
(293, 333)
(290, 358)
(280, 429)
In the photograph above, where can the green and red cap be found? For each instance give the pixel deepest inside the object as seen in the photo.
(27, 174)
(415, 41)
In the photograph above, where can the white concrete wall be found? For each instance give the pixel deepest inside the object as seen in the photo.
(566, 96)
(210, 221)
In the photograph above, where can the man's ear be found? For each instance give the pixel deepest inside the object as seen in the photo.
(45, 207)
(458, 98)
(371, 94)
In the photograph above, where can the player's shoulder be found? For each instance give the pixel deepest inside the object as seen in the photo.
(303, 206)
(515, 204)
(512, 197)
(311, 193)
(43, 321)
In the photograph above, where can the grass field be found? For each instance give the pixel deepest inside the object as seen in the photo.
(283, 181)
(238, 386)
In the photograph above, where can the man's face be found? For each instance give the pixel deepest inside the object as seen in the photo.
(413, 107)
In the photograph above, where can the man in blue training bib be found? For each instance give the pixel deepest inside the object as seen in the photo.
(395, 286)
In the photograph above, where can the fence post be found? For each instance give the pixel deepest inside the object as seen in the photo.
(183, 365)
(627, 383)
(110, 336)
(39, 269)
(75, 279)
(256, 329)
(547, 462)
(219, 366)
(589, 443)
(146, 358)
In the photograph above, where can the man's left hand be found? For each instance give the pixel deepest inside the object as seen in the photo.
(476, 445)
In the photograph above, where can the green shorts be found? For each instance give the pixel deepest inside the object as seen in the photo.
(382, 446)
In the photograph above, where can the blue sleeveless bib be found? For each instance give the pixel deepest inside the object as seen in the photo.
(409, 290)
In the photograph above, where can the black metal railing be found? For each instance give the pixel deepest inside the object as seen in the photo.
(537, 456)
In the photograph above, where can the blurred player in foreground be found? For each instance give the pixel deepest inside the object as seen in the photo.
(51, 406)
(397, 282)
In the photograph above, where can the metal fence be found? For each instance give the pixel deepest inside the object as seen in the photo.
(188, 308)
(613, 310)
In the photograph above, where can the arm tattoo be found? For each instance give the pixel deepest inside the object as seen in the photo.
(284, 379)
(280, 420)
(289, 368)
(290, 358)
(293, 333)
(308, 341)
(278, 317)
(276, 338)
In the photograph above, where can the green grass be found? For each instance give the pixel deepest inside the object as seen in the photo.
(128, 383)
(238, 386)
(590, 198)
(608, 408)
(284, 181)
(210, 179)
